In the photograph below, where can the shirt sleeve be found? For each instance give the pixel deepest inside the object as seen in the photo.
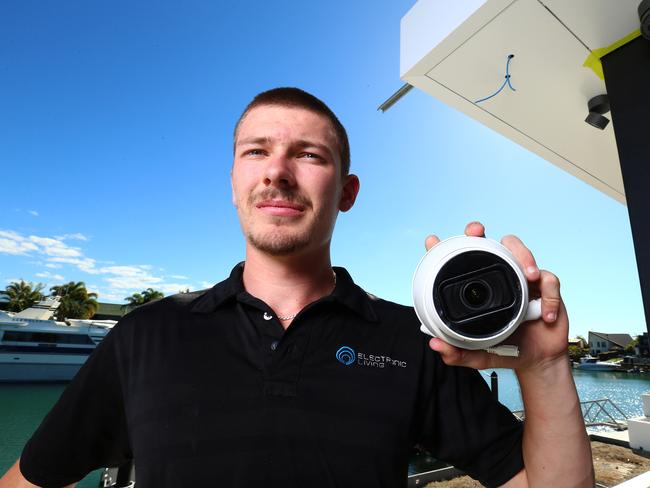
(462, 424)
(86, 428)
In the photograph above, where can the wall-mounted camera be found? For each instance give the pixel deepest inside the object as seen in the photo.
(644, 17)
(472, 293)
(598, 106)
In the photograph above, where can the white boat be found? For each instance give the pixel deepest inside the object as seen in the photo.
(35, 347)
(589, 363)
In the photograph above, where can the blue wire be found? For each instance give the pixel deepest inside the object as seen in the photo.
(507, 81)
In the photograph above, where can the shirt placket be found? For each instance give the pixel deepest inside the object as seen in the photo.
(282, 351)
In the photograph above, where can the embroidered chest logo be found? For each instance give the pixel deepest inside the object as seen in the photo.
(346, 355)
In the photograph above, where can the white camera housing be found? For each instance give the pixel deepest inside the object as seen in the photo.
(472, 293)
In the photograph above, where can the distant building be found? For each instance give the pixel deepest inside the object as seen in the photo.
(600, 342)
(643, 346)
(111, 311)
(578, 343)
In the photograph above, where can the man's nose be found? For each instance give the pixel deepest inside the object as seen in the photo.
(279, 171)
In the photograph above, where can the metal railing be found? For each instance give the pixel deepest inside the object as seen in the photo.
(602, 413)
(597, 413)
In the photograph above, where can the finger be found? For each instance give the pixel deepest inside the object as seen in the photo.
(523, 255)
(549, 286)
(455, 356)
(431, 241)
(475, 229)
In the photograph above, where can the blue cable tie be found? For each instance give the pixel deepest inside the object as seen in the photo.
(505, 82)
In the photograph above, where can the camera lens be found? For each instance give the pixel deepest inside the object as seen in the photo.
(476, 294)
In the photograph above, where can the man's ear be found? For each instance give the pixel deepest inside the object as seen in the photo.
(349, 194)
(232, 191)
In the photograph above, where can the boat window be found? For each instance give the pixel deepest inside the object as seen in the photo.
(49, 337)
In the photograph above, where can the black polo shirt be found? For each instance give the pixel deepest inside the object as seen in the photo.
(207, 389)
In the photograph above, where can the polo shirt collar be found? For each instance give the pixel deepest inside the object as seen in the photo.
(346, 292)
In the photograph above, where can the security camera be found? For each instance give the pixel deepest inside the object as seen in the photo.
(644, 17)
(472, 293)
(598, 106)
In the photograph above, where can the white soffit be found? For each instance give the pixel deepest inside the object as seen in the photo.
(597, 23)
(460, 63)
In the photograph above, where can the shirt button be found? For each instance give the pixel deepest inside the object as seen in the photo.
(274, 345)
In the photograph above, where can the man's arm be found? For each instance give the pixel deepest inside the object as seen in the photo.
(556, 448)
(13, 478)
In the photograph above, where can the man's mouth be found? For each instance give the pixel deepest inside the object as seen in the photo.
(280, 207)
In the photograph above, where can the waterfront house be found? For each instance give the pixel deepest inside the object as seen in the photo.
(600, 342)
(111, 311)
(643, 345)
(578, 342)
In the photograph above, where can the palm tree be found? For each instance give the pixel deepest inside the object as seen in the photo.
(20, 295)
(146, 296)
(76, 301)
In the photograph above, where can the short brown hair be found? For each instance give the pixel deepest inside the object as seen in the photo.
(295, 97)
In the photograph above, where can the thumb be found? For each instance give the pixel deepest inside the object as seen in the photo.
(431, 241)
(455, 356)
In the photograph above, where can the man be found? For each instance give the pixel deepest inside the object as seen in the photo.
(288, 374)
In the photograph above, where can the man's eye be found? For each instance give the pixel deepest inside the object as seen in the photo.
(254, 152)
(310, 155)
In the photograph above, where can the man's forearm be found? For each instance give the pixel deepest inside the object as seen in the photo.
(556, 448)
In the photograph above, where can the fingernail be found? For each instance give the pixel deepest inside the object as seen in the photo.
(435, 345)
(551, 316)
(531, 270)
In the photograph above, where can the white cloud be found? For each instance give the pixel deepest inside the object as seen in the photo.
(130, 277)
(10, 234)
(55, 247)
(47, 274)
(118, 280)
(206, 284)
(133, 283)
(126, 271)
(33, 212)
(87, 265)
(77, 236)
(113, 297)
(15, 247)
(45, 241)
(173, 288)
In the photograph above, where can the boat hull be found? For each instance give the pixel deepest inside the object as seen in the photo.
(597, 367)
(16, 367)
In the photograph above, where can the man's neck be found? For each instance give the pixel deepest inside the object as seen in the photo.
(288, 283)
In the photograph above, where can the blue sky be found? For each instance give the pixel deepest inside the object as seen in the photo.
(115, 148)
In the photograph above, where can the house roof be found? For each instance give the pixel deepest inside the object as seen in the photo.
(618, 339)
(459, 56)
(114, 309)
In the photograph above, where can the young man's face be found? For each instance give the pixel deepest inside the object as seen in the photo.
(286, 180)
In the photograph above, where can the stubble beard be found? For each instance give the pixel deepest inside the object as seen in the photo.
(281, 240)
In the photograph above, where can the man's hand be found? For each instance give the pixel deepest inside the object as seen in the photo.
(541, 342)
(555, 445)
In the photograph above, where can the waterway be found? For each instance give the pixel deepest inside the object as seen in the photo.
(623, 389)
(22, 408)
